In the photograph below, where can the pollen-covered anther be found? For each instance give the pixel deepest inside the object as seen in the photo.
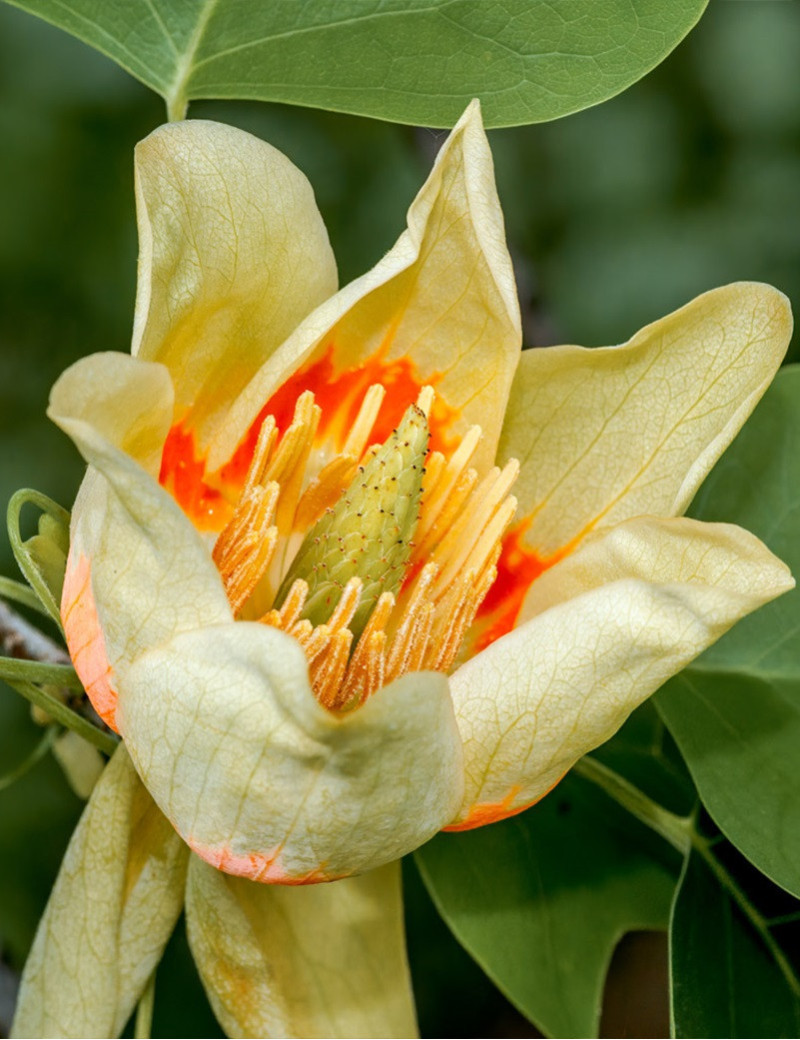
(247, 544)
(377, 562)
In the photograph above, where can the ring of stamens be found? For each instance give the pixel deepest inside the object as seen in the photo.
(456, 545)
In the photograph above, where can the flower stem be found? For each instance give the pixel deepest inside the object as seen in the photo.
(143, 1026)
(59, 712)
(20, 593)
(13, 668)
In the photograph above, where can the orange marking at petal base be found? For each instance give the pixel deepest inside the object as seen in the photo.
(207, 498)
(492, 812)
(183, 473)
(264, 867)
(517, 568)
(85, 640)
(339, 393)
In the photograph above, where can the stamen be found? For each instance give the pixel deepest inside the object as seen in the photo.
(491, 535)
(358, 437)
(458, 610)
(411, 643)
(425, 400)
(347, 605)
(258, 464)
(245, 547)
(411, 611)
(365, 673)
(289, 613)
(456, 465)
(289, 465)
(434, 466)
(325, 490)
(327, 671)
(455, 547)
(317, 640)
(451, 509)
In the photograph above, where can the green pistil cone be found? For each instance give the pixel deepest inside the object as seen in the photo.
(368, 532)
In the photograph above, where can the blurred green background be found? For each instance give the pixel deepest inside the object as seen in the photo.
(615, 216)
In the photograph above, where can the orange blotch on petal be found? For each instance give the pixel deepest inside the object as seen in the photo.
(517, 569)
(85, 640)
(339, 393)
(264, 867)
(183, 473)
(207, 499)
(482, 813)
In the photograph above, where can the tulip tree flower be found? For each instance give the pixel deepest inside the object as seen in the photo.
(349, 568)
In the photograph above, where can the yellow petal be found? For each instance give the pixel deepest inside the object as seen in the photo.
(137, 567)
(128, 402)
(325, 960)
(233, 254)
(608, 625)
(110, 914)
(262, 781)
(615, 432)
(444, 298)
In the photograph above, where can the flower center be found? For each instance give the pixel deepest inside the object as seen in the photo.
(375, 560)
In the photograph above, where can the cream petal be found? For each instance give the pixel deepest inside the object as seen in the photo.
(233, 255)
(261, 781)
(614, 432)
(137, 572)
(112, 910)
(323, 960)
(608, 625)
(444, 297)
(128, 402)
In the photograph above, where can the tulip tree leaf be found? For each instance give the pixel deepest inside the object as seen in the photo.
(541, 900)
(412, 61)
(725, 979)
(735, 714)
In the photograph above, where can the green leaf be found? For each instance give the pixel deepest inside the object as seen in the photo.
(541, 900)
(740, 736)
(725, 979)
(414, 61)
(735, 714)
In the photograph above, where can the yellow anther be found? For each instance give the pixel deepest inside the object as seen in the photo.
(454, 549)
(425, 400)
(325, 490)
(327, 672)
(358, 438)
(450, 510)
(264, 445)
(347, 605)
(245, 547)
(449, 478)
